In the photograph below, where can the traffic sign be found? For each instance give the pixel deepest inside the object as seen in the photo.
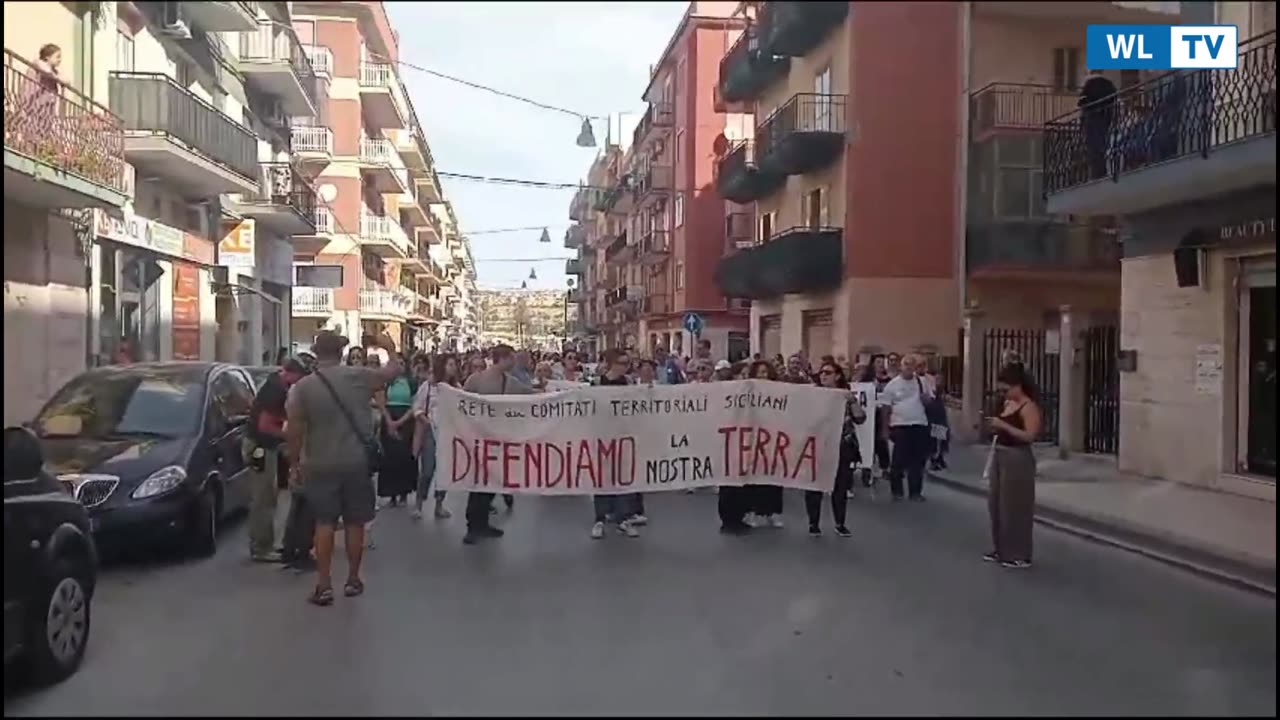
(693, 323)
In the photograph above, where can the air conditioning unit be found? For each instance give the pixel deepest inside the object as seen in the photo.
(172, 24)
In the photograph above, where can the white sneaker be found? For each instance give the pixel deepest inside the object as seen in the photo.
(416, 514)
(775, 521)
(639, 520)
(750, 520)
(626, 528)
(597, 531)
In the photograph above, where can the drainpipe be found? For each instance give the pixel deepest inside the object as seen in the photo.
(962, 198)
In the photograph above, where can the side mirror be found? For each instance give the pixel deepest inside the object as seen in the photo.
(23, 456)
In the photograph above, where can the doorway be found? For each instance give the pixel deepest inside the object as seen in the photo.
(1260, 455)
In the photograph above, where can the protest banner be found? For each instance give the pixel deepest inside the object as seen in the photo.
(558, 385)
(609, 440)
(865, 395)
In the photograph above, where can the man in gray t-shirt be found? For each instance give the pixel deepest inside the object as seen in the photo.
(494, 380)
(328, 430)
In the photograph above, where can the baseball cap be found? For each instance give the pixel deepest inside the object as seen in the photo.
(724, 365)
(328, 342)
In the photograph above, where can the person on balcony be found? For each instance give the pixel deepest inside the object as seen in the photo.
(1097, 101)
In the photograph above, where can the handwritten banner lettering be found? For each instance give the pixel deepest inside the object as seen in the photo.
(610, 440)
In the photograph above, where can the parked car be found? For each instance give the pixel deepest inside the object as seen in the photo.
(152, 450)
(50, 566)
(258, 374)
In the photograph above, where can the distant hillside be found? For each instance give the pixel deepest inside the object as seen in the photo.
(522, 317)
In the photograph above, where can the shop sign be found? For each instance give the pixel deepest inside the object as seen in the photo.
(132, 229)
(237, 246)
(186, 312)
(1262, 228)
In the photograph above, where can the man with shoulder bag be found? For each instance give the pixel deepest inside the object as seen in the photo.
(334, 451)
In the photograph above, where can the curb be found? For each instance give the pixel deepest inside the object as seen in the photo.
(1196, 560)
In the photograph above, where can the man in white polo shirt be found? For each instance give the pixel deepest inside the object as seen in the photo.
(902, 404)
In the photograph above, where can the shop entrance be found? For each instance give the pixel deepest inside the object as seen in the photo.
(1261, 378)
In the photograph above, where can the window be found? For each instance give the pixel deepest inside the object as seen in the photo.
(813, 208)
(680, 275)
(1066, 68)
(766, 227)
(679, 209)
(822, 110)
(124, 51)
(230, 396)
(679, 161)
(1019, 193)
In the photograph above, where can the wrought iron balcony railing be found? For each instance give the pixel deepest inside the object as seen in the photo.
(155, 103)
(1179, 114)
(280, 184)
(49, 121)
(804, 134)
(660, 114)
(273, 42)
(745, 69)
(1017, 106)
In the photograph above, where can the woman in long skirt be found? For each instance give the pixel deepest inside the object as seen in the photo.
(399, 473)
(1011, 497)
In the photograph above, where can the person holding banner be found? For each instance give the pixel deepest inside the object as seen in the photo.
(444, 370)
(764, 502)
(492, 380)
(831, 375)
(625, 510)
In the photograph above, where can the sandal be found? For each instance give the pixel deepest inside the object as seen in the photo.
(322, 597)
(353, 588)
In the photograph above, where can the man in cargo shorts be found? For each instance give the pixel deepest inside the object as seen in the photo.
(329, 432)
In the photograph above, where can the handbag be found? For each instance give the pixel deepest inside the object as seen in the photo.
(372, 450)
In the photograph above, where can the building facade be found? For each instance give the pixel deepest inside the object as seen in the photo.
(1186, 161)
(386, 242)
(149, 188)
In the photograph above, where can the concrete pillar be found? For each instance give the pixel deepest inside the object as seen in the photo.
(1072, 382)
(976, 324)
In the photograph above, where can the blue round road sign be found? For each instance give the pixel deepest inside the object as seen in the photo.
(693, 323)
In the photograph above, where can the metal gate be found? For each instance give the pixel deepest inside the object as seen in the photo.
(1102, 390)
(1032, 351)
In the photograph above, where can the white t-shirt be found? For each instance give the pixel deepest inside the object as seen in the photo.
(904, 398)
(425, 400)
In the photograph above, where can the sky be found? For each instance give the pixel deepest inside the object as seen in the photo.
(591, 57)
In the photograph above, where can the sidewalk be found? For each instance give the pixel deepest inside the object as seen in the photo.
(1228, 537)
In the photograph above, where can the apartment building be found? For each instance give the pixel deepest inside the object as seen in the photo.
(374, 252)
(149, 202)
(1186, 161)
(590, 235)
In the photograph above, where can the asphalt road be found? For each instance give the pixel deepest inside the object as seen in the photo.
(903, 618)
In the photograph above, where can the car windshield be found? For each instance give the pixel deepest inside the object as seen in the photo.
(137, 402)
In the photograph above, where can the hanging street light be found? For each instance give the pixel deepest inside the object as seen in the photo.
(545, 237)
(533, 273)
(524, 285)
(586, 138)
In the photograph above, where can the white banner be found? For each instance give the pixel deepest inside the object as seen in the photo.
(865, 395)
(610, 440)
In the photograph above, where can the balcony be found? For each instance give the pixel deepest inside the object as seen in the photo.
(415, 212)
(795, 28)
(221, 15)
(616, 296)
(575, 237)
(798, 260)
(275, 63)
(312, 243)
(581, 207)
(312, 302)
(379, 88)
(61, 149)
(321, 59)
(377, 165)
(379, 302)
(383, 236)
(312, 144)
(657, 304)
(619, 250)
(745, 70)
(283, 202)
(617, 199)
(1040, 249)
(411, 151)
(1016, 107)
(573, 266)
(654, 181)
(655, 246)
(739, 178)
(1175, 138)
(805, 134)
(428, 187)
(657, 119)
(172, 134)
(430, 232)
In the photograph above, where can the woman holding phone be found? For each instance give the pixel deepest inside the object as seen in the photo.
(1011, 497)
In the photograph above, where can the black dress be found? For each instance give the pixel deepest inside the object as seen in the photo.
(399, 474)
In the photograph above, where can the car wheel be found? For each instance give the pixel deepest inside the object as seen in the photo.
(58, 631)
(204, 524)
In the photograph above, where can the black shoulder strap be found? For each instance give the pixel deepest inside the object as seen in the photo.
(504, 384)
(346, 413)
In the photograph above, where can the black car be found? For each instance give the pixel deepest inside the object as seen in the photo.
(153, 450)
(50, 566)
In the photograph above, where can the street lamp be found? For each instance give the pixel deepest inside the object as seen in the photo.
(533, 273)
(586, 138)
(546, 236)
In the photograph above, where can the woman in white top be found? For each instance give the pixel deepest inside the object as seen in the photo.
(444, 369)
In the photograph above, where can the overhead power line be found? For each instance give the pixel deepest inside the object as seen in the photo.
(472, 233)
(518, 182)
(527, 259)
(485, 88)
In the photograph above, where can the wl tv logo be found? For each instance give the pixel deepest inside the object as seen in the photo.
(1161, 47)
